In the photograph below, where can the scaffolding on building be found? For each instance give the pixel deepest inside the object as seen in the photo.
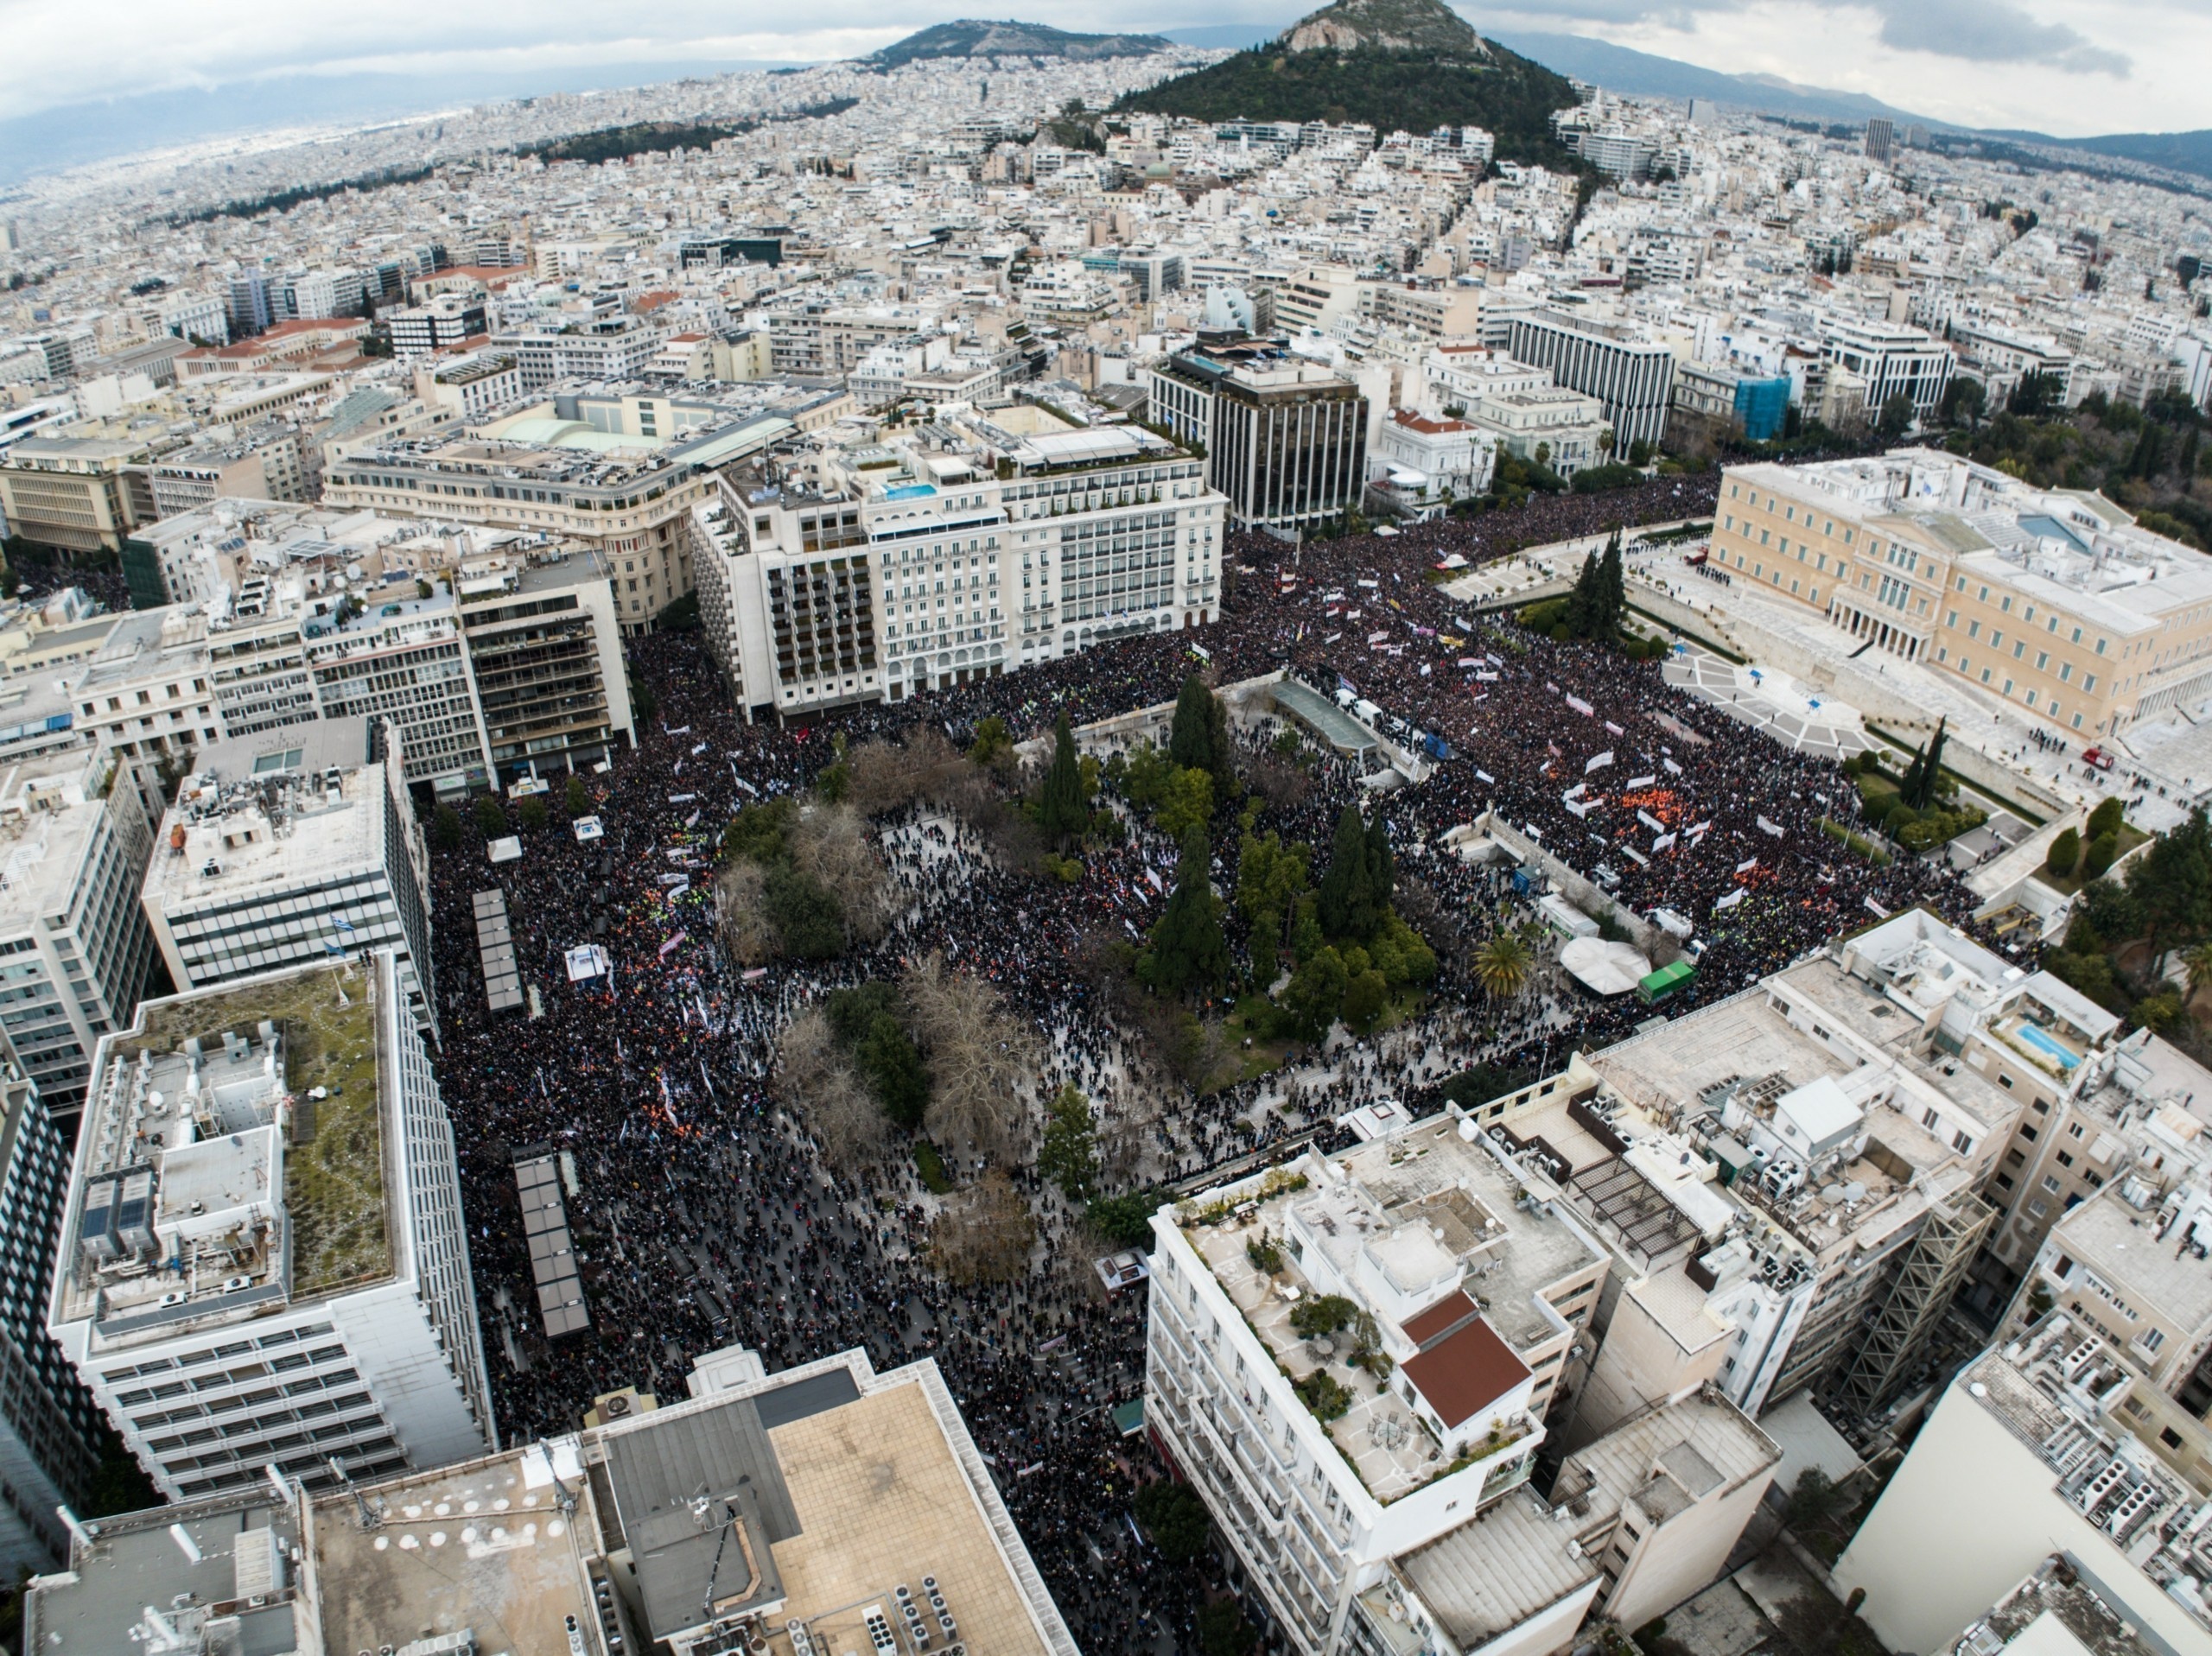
(1926, 1281)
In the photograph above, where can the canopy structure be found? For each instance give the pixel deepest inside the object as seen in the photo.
(495, 949)
(1604, 968)
(586, 961)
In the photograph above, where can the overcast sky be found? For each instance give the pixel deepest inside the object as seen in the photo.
(2066, 66)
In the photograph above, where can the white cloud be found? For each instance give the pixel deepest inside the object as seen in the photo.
(2068, 67)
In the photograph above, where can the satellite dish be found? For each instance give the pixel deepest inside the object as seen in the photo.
(1832, 1193)
(1855, 1191)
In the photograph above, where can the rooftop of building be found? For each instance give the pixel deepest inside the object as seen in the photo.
(2053, 1389)
(237, 1597)
(2055, 1613)
(1481, 1581)
(1423, 1219)
(2071, 547)
(821, 1495)
(51, 806)
(262, 1104)
(483, 1546)
(276, 810)
(1666, 1459)
(2123, 1246)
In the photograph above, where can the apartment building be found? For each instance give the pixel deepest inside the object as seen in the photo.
(262, 463)
(1428, 313)
(85, 494)
(876, 572)
(1351, 1359)
(263, 1260)
(629, 505)
(75, 941)
(815, 340)
(543, 643)
(47, 1420)
(2040, 1446)
(286, 849)
(1284, 437)
(476, 386)
(603, 347)
(837, 1502)
(2054, 600)
(1421, 464)
(1632, 379)
(1785, 1184)
(443, 324)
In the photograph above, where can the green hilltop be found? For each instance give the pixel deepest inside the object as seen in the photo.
(1397, 65)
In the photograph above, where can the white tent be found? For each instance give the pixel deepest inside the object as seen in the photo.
(1604, 968)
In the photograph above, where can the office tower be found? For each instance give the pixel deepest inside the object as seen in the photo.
(1881, 139)
(75, 941)
(287, 848)
(1631, 379)
(49, 1424)
(262, 1258)
(1285, 437)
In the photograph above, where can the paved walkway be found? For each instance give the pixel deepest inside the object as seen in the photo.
(1792, 714)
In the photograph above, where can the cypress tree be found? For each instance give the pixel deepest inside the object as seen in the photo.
(1188, 948)
(1382, 875)
(1909, 790)
(1582, 602)
(1062, 812)
(1612, 592)
(1931, 773)
(1343, 889)
(1189, 738)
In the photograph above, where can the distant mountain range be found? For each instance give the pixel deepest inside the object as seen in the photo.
(78, 134)
(970, 37)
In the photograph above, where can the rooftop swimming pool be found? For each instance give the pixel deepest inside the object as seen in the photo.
(2035, 1038)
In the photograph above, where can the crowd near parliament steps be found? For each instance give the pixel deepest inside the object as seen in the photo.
(706, 1206)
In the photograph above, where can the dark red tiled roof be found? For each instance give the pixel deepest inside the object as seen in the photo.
(1440, 1319)
(1461, 1376)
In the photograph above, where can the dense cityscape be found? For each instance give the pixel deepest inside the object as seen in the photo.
(1037, 844)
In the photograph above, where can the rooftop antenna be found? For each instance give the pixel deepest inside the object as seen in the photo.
(370, 1521)
(564, 1497)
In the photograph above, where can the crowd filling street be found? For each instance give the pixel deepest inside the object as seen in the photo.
(708, 1215)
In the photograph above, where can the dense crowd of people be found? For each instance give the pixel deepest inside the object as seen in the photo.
(708, 1215)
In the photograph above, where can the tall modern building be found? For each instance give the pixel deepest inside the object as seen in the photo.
(47, 1419)
(74, 948)
(1881, 139)
(545, 650)
(1632, 379)
(263, 1260)
(287, 848)
(1284, 437)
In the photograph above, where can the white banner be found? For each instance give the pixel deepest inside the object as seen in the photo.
(1484, 776)
(1581, 706)
(1730, 901)
(1615, 728)
(1775, 828)
(1600, 762)
(1641, 861)
(1664, 843)
(1577, 790)
(1673, 769)
(1747, 864)
(1579, 807)
(1700, 828)
(1635, 783)
(1652, 821)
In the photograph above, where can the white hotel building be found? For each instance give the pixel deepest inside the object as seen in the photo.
(872, 575)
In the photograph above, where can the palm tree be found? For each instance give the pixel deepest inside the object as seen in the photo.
(2198, 964)
(1502, 965)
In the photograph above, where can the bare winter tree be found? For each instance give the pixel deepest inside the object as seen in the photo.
(818, 1085)
(979, 1058)
(883, 775)
(741, 922)
(984, 1233)
(833, 846)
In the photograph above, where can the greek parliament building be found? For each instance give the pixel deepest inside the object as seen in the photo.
(1284, 437)
(1632, 379)
(2054, 598)
(262, 1259)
